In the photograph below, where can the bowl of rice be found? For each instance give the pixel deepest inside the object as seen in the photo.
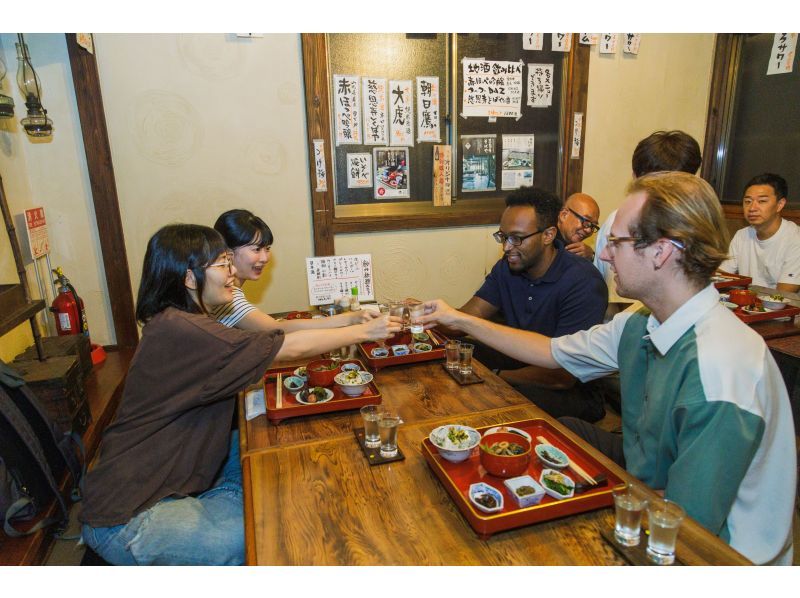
(455, 442)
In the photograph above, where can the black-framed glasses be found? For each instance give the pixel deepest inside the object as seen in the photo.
(514, 240)
(585, 222)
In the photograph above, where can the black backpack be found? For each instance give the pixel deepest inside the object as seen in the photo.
(34, 456)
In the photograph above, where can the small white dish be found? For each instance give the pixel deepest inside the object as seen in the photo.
(379, 352)
(301, 373)
(774, 304)
(524, 497)
(350, 367)
(724, 297)
(551, 456)
(400, 350)
(729, 305)
(354, 386)
(517, 431)
(303, 396)
(559, 477)
(747, 310)
(480, 490)
(455, 453)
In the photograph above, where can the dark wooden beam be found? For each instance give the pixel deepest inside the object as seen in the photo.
(577, 94)
(104, 191)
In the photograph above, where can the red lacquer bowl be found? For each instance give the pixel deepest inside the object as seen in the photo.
(322, 377)
(505, 466)
(742, 297)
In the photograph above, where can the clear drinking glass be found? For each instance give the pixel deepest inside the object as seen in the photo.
(371, 414)
(384, 308)
(465, 358)
(664, 519)
(415, 311)
(629, 504)
(451, 354)
(387, 428)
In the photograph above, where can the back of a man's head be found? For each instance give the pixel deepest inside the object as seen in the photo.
(777, 182)
(665, 151)
(546, 204)
(684, 208)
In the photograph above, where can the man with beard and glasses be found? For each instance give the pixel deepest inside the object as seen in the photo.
(540, 286)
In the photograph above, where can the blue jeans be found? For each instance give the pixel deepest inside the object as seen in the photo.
(204, 530)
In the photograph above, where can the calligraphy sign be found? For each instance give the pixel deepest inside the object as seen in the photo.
(332, 277)
(492, 88)
(401, 113)
(577, 130)
(561, 42)
(588, 39)
(781, 59)
(632, 41)
(359, 171)
(348, 109)
(442, 175)
(608, 43)
(532, 41)
(375, 126)
(320, 170)
(540, 85)
(428, 109)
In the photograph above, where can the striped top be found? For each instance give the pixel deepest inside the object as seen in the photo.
(232, 313)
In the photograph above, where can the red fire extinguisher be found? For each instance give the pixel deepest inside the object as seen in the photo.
(68, 309)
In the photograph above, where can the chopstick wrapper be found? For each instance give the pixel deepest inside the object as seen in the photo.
(254, 403)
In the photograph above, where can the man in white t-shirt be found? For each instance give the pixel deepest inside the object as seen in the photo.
(769, 249)
(659, 151)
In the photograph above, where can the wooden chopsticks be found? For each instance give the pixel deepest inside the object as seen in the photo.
(573, 466)
(279, 392)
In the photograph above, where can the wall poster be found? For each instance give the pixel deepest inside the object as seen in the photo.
(478, 163)
(492, 88)
(391, 172)
(517, 164)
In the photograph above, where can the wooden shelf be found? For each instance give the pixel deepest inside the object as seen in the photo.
(103, 390)
(14, 309)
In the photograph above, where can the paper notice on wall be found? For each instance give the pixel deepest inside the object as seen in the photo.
(332, 277)
(517, 164)
(320, 170)
(632, 41)
(401, 113)
(373, 92)
(85, 41)
(608, 43)
(532, 41)
(36, 225)
(540, 85)
(428, 109)
(492, 88)
(781, 59)
(442, 175)
(359, 171)
(588, 39)
(478, 163)
(346, 99)
(561, 42)
(577, 131)
(392, 172)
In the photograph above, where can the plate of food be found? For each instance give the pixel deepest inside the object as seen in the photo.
(755, 308)
(485, 497)
(314, 396)
(454, 442)
(517, 431)
(773, 302)
(556, 484)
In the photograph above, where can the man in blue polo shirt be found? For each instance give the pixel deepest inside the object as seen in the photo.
(705, 413)
(540, 286)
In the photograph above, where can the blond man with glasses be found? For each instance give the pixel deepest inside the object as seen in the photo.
(705, 413)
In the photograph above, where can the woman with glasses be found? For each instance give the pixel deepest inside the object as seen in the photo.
(166, 488)
(250, 240)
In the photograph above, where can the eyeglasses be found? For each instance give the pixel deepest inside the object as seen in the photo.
(226, 263)
(515, 240)
(612, 241)
(585, 222)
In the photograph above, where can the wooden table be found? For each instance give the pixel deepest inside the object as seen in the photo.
(312, 499)
(418, 392)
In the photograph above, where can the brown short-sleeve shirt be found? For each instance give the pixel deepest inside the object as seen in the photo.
(170, 435)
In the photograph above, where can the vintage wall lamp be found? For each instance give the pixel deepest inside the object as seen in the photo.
(36, 124)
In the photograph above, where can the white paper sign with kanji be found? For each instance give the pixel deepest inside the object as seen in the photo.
(588, 39)
(401, 113)
(532, 41)
(492, 88)
(359, 171)
(332, 277)
(561, 42)
(375, 114)
(781, 59)
(632, 41)
(577, 131)
(36, 225)
(608, 43)
(428, 109)
(540, 85)
(346, 99)
(320, 170)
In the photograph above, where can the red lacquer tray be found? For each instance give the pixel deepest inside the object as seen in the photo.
(293, 408)
(732, 280)
(457, 477)
(403, 338)
(786, 312)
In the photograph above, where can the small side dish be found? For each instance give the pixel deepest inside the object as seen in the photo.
(556, 484)
(551, 456)
(422, 347)
(379, 352)
(353, 383)
(315, 395)
(525, 490)
(485, 497)
(301, 372)
(454, 442)
(400, 350)
(773, 302)
(294, 384)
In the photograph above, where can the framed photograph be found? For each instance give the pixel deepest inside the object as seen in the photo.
(391, 172)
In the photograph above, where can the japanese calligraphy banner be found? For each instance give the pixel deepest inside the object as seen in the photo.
(346, 99)
(332, 277)
(428, 109)
(781, 59)
(608, 43)
(540, 85)
(577, 131)
(561, 42)
(401, 113)
(492, 88)
(532, 41)
(375, 113)
(632, 41)
(589, 39)
(359, 171)
(442, 175)
(320, 170)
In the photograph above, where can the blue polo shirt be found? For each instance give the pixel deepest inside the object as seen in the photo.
(571, 295)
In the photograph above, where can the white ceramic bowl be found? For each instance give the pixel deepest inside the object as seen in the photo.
(770, 303)
(302, 396)
(455, 453)
(567, 481)
(480, 489)
(350, 387)
(526, 500)
(551, 456)
(729, 305)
